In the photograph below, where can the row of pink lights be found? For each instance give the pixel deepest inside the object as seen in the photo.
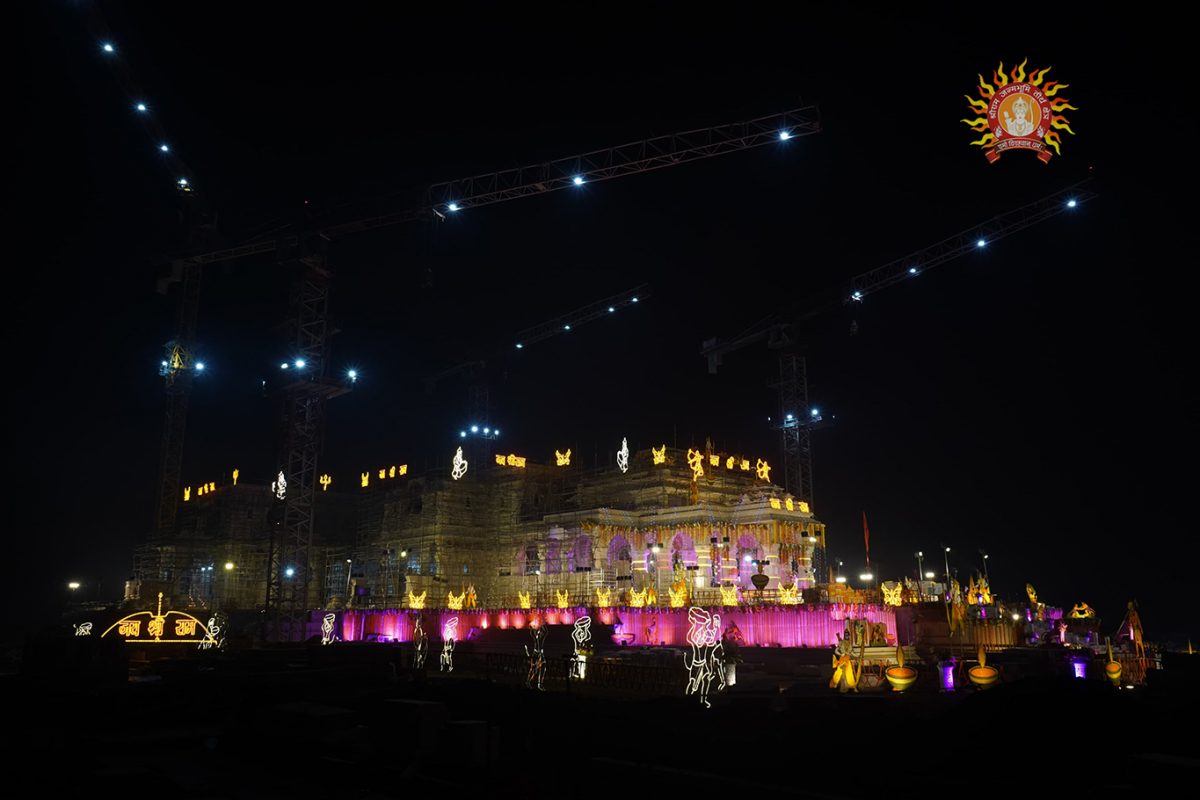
(796, 626)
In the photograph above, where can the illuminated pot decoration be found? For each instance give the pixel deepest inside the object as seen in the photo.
(1112, 670)
(983, 676)
(900, 677)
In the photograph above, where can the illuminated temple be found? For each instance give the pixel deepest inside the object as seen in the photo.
(660, 529)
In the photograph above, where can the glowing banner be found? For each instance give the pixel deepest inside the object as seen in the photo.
(183, 626)
(1019, 114)
(458, 465)
(510, 460)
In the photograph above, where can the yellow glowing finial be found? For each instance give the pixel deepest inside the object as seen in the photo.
(562, 599)
(695, 460)
(763, 470)
(187, 493)
(651, 596)
(659, 454)
(637, 599)
(325, 481)
(562, 459)
(416, 600)
(677, 596)
(789, 595)
(524, 600)
(366, 478)
(235, 475)
(455, 601)
(729, 596)
(603, 597)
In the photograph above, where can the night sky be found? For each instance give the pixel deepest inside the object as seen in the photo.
(1027, 400)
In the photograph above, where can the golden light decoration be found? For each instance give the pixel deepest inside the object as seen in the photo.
(455, 601)
(775, 503)
(637, 599)
(391, 472)
(789, 504)
(677, 596)
(458, 466)
(383, 473)
(510, 460)
(185, 625)
(562, 599)
(789, 595)
(729, 596)
(763, 470)
(695, 460)
(1082, 611)
(745, 465)
(402, 469)
(623, 456)
(325, 481)
(1030, 110)
(524, 600)
(891, 597)
(659, 454)
(603, 597)
(803, 506)
(187, 493)
(900, 677)
(651, 596)
(983, 676)
(417, 600)
(714, 460)
(365, 479)
(235, 475)
(562, 459)
(729, 462)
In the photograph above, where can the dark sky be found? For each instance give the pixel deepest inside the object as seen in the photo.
(1027, 400)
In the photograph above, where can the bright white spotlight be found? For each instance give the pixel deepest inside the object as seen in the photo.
(290, 571)
(283, 365)
(746, 558)
(164, 148)
(108, 48)
(856, 296)
(1071, 204)
(183, 182)
(789, 416)
(840, 579)
(633, 299)
(611, 309)
(980, 243)
(300, 363)
(486, 431)
(566, 327)
(816, 412)
(912, 270)
(164, 363)
(73, 585)
(474, 429)
(784, 136)
(496, 432)
(200, 366)
(462, 434)
(578, 181)
(520, 346)
(352, 375)
(930, 575)
(866, 576)
(453, 206)
(141, 107)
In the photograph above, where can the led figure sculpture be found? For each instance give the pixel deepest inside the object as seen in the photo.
(637, 599)
(325, 481)
(365, 478)
(458, 467)
(235, 475)
(729, 596)
(328, 634)
(187, 493)
(659, 454)
(603, 597)
(677, 595)
(581, 636)
(524, 599)
(1082, 611)
(417, 600)
(536, 676)
(789, 595)
(420, 644)
(279, 486)
(449, 631)
(455, 601)
(846, 671)
(85, 629)
(891, 597)
(213, 639)
(763, 470)
(563, 459)
(470, 595)
(623, 456)
(382, 473)
(695, 460)
(707, 658)
(562, 599)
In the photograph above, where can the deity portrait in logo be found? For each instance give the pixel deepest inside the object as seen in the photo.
(1021, 117)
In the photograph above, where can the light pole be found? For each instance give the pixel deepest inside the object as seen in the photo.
(349, 561)
(920, 573)
(946, 558)
(986, 577)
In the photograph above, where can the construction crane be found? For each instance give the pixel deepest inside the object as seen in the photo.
(797, 418)
(290, 575)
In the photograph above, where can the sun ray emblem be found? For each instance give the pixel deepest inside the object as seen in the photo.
(1020, 111)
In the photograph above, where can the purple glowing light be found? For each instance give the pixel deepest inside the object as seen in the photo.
(948, 678)
(1080, 668)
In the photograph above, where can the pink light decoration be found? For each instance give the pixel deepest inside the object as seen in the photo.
(769, 626)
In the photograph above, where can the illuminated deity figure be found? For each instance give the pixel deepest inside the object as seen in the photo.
(328, 635)
(695, 460)
(707, 659)
(623, 456)
(458, 466)
(214, 637)
(581, 636)
(449, 631)
(846, 670)
(1082, 611)
(420, 644)
(279, 487)
(471, 595)
(1018, 123)
(537, 659)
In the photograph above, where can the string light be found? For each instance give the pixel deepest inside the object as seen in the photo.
(603, 597)
(714, 460)
(891, 597)
(729, 596)
(325, 480)
(581, 636)
(707, 658)
(637, 599)
(83, 629)
(789, 595)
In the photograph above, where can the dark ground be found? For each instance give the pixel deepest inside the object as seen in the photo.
(344, 722)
